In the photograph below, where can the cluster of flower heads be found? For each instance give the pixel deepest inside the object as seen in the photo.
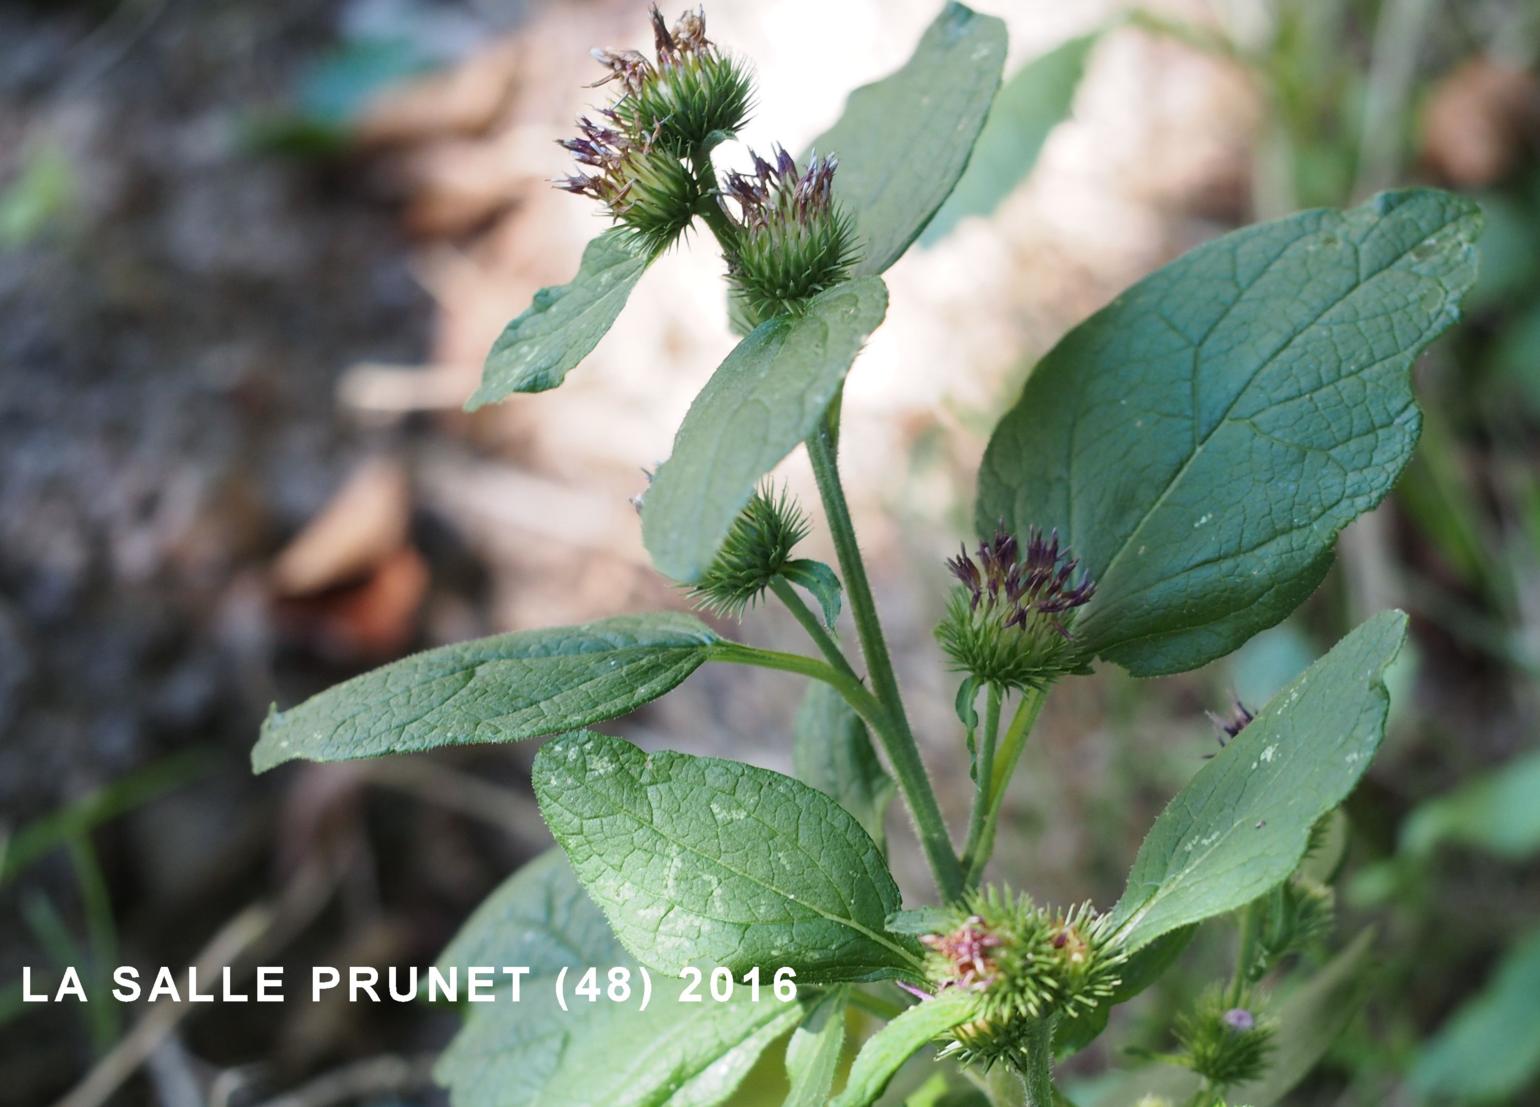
(794, 239)
(1009, 622)
(667, 110)
(647, 160)
(1026, 963)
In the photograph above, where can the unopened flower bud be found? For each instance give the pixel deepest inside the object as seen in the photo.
(758, 548)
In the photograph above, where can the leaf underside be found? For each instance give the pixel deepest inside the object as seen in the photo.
(1241, 825)
(500, 689)
(1031, 103)
(563, 323)
(904, 141)
(763, 400)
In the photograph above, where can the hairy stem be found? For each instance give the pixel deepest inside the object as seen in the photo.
(1038, 1055)
(983, 773)
(1006, 755)
(710, 208)
(907, 766)
(899, 743)
(1245, 950)
(810, 622)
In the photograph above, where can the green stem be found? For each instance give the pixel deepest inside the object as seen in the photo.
(983, 774)
(855, 693)
(899, 743)
(901, 754)
(812, 624)
(1245, 950)
(1006, 755)
(1038, 1054)
(710, 208)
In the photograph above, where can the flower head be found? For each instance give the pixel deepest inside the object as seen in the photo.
(1227, 1043)
(795, 240)
(667, 110)
(1026, 963)
(1009, 620)
(757, 549)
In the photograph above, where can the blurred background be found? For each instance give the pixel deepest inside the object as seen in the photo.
(252, 253)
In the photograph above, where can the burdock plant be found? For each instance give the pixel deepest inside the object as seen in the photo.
(1170, 481)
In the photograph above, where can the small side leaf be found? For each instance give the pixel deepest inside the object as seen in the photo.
(500, 689)
(821, 582)
(904, 141)
(1241, 825)
(833, 753)
(813, 1053)
(700, 861)
(1030, 104)
(886, 1051)
(563, 323)
(1136, 974)
(1498, 812)
(1200, 441)
(760, 403)
(1489, 1050)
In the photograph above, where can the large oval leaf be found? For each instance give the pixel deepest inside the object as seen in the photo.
(1241, 825)
(533, 1054)
(904, 141)
(1201, 440)
(563, 323)
(704, 862)
(762, 401)
(499, 689)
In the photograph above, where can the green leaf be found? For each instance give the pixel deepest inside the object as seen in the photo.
(563, 323)
(886, 1051)
(1489, 1050)
(1498, 812)
(1029, 106)
(904, 141)
(533, 1054)
(541, 918)
(821, 582)
(1201, 440)
(833, 753)
(762, 401)
(813, 1053)
(698, 861)
(1241, 825)
(500, 689)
